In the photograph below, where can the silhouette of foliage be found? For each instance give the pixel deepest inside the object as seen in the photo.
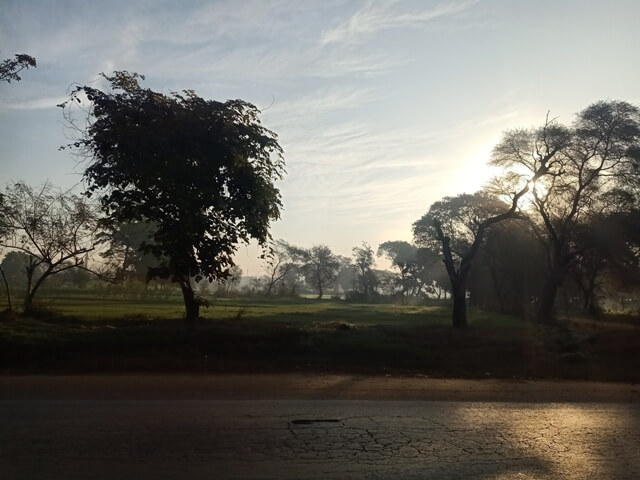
(320, 267)
(598, 153)
(457, 226)
(364, 261)
(201, 171)
(11, 67)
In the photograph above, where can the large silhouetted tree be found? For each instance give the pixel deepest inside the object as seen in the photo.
(457, 225)
(201, 171)
(601, 152)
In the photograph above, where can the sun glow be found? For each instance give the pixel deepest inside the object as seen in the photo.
(474, 171)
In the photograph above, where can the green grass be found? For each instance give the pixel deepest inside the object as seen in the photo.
(95, 332)
(103, 306)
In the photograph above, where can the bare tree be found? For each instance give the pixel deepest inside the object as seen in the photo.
(57, 230)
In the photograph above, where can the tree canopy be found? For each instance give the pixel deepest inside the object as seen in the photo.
(11, 67)
(202, 171)
(320, 267)
(597, 155)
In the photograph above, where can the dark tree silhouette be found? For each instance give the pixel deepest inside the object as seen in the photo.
(320, 267)
(283, 261)
(606, 247)
(458, 225)
(404, 257)
(364, 262)
(599, 152)
(11, 67)
(201, 171)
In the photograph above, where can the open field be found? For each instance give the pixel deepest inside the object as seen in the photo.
(106, 333)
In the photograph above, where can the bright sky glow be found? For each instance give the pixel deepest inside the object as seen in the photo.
(382, 107)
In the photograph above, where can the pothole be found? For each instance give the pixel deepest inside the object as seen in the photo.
(309, 421)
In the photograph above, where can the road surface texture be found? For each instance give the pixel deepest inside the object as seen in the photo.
(329, 427)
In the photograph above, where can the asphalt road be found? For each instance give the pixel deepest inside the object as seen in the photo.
(111, 429)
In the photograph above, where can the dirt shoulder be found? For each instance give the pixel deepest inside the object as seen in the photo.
(312, 387)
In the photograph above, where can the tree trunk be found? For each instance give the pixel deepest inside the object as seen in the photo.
(191, 305)
(547, 302)
(6, 285)
(590, 301)
(459, 295)
(32, 288)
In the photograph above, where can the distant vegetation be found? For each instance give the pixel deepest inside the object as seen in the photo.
(175, 183)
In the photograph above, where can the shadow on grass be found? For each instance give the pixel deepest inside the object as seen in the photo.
(319, 337)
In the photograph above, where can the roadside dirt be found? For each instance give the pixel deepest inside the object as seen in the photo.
(312, 387)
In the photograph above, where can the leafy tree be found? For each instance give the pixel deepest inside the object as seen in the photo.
(201, 171)
(606, 247)
(365, 277)
(283, 263)
(125, 257)
(388, 283)
(56, 230)
(509, 269)
(320, 267)
(404, 257)
(457, 226)
(14, 264)
(347, 279)
(11, 67)
(14, 272)
(230, 282)
(415, 266)
(599, 152)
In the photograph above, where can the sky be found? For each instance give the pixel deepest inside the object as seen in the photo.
(381, 107)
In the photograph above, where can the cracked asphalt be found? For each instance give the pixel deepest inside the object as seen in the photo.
(225, 436)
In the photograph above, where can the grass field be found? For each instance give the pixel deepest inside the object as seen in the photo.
(95, 332)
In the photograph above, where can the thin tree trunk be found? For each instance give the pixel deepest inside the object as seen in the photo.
(547, 301)
(32, 288)
(6, 285)
(191, 305)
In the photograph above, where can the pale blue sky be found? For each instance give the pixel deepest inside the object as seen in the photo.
(381, 107)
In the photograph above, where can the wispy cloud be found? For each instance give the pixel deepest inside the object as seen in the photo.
(309, 107)
(375, 17)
